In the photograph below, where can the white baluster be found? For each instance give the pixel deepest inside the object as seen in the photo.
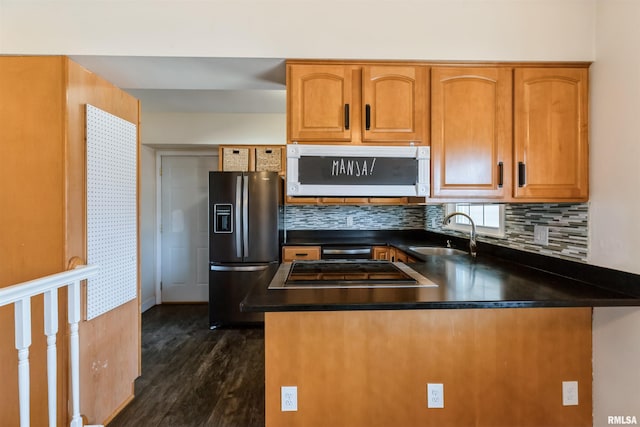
(22, 312)
(50, 330)
(74, 318)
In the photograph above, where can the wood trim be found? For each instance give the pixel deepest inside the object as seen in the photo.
(370, 368)
(139, 246)
(473, 63)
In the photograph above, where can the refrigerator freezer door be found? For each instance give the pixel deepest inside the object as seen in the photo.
(228, 287)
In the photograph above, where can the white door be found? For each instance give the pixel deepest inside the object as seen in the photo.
(184, 221)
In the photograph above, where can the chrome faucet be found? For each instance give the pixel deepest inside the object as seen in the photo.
(473, 247)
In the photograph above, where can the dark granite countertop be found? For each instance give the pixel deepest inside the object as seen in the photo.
(497, 278)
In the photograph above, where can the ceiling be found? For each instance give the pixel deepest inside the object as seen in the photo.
(196, 85)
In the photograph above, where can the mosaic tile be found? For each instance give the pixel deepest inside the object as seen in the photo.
(568, 223)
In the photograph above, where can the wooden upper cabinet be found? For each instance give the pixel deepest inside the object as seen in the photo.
(393, 99)
(550, 137)
(320, 102)
(471, 132)
(355, 103)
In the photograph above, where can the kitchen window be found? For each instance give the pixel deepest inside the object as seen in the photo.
(489, 218)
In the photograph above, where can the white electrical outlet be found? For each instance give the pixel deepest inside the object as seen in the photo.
(541, 235)
(289, 398)
(569, 393)
(349, 220)
(435, 395)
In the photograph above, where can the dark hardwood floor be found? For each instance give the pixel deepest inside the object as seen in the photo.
(192, 376)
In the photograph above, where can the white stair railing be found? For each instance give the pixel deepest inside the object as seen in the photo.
(20, 296)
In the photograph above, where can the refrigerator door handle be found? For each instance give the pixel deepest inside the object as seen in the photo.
(245, 216)
(239, 267)
(238, 221)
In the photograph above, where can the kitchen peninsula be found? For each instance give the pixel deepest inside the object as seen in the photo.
(500, 333)
(505, 338)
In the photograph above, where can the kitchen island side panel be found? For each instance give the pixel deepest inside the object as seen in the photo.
(371, 368)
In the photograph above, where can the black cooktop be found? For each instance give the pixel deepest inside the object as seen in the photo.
(346, 272)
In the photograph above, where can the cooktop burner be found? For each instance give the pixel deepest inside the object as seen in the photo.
(347, 272)
(339, 274)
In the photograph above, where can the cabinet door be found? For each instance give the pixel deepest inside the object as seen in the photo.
(381, 252)
(393, 103)
(320, 102)
(551, 148)
(399, 256)
(471, 132)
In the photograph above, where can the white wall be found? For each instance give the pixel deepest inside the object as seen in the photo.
(213, 129)
(402, 29)
(615, 205)
(148, 227)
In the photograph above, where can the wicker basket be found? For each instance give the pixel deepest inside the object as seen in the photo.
(235, 159)
(269, 159)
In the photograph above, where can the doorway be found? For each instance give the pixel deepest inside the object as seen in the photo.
(184, 220)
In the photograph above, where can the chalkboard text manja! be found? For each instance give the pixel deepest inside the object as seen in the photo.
(326, 170)
(352, 167)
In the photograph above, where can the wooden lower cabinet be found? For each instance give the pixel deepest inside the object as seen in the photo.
(300, 253)
(382, 252)
(371, 368)
(390, 253)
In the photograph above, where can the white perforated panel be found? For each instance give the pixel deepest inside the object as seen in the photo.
(111, 211)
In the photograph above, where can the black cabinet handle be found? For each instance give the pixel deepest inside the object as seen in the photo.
(522, 174)
(500, 174)
(346, 116)
(367, 116)
(301, 255)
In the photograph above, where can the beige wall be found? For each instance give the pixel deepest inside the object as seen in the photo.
(190, 129)
(615, 203)
(402, 29)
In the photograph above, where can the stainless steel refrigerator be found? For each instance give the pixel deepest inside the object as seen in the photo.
(245, 211)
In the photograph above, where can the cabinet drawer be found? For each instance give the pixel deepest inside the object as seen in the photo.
(300, 253)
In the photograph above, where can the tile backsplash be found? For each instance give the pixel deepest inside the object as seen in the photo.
(343, 217)
(568, 223)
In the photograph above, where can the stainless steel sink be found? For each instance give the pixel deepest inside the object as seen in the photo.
(437, 250)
